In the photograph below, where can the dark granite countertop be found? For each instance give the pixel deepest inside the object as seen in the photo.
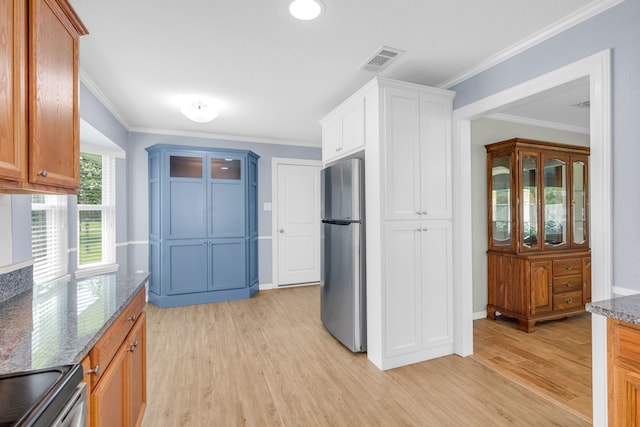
(57, 323)
(626, 309)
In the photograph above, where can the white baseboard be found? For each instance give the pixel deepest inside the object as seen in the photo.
(479, 315)
(618, 291)
(266, 286)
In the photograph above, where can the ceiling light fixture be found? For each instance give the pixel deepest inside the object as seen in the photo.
(198, 111)
(306, 9)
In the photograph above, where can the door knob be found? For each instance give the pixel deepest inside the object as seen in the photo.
(282, 230)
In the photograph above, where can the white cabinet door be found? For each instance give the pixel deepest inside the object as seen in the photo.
(437, 284)
(418, 155)
(402, 154)
(343, 131)
(403, 288)
(331, 138)
(353, 127)
(418, 287)
(435, 158)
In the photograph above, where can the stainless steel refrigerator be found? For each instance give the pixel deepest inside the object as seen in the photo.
(342, 282)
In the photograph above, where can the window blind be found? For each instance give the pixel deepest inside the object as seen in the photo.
(49, 237)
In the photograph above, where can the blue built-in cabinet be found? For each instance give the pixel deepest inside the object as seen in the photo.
(203, 224)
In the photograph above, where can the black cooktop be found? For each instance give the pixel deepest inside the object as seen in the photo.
(34, 398)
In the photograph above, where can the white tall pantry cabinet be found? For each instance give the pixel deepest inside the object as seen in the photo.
(407, 152)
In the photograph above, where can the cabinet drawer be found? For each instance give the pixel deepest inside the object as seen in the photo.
(567, 267)
(107, 346)
(567, 300)
(567, 284)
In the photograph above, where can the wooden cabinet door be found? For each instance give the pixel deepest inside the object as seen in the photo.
(13, 57)
(541, 291)
(109, 398)
(54, 144)
(623, 340)
(586, 280)
(138, 377)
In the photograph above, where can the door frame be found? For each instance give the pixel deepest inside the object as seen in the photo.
(598, 69)
(275, 162)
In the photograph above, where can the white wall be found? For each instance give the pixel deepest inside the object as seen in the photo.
(486, 131)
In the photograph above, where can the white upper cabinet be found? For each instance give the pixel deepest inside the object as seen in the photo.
(343, 130)
(418, 155)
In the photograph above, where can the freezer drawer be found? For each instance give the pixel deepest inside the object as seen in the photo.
(342, 284)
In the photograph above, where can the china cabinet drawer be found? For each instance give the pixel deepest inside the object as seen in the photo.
(567, 284)
(567, 300)
(567, 267)
(104, 350)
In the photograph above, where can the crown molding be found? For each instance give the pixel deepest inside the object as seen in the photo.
(539, 123)
(227, 137)
(95, 90)
(546, 33)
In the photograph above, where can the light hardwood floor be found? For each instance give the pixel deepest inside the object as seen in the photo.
(553, 361)
(268, 361)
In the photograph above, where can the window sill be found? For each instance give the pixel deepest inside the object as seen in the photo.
(94, 271)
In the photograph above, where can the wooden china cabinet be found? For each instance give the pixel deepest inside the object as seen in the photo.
(539, 261)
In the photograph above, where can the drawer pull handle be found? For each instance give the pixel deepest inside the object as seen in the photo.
(568, 300)
(133, 318)
(133, 346)
(568, 284)
(95, 371)
(42, 174)
(568, 266)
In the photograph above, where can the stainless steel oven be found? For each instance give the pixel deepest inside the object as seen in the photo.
(75, 411)
(43, 398)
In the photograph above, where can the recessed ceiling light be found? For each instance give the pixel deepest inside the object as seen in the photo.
(306, 9)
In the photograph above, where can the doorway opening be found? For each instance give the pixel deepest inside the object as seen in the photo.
(597, 69)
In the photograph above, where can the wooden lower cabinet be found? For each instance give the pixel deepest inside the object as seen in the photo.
(534, 288)
(623, 373)
(118, 389)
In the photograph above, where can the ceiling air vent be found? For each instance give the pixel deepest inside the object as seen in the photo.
(381, 59)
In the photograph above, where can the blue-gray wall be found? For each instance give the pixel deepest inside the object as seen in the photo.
(616, 29)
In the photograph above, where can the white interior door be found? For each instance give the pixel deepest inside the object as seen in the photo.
(298, 224)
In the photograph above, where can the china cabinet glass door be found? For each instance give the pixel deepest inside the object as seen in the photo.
(555, 202)
(579, 207)
(530, 201)
(501, 201)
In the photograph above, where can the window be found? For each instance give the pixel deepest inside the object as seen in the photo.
(96, 211)
(48, 237)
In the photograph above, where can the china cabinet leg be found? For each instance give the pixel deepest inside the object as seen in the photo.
(527, 325)
(491, 313)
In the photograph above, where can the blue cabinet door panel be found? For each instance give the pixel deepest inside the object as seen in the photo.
(228, 268)
(186, 263)
(187, 210)
(227, 210)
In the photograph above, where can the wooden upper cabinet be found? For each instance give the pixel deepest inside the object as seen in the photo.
(13, 107)
(537, 196)
(39, 116)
